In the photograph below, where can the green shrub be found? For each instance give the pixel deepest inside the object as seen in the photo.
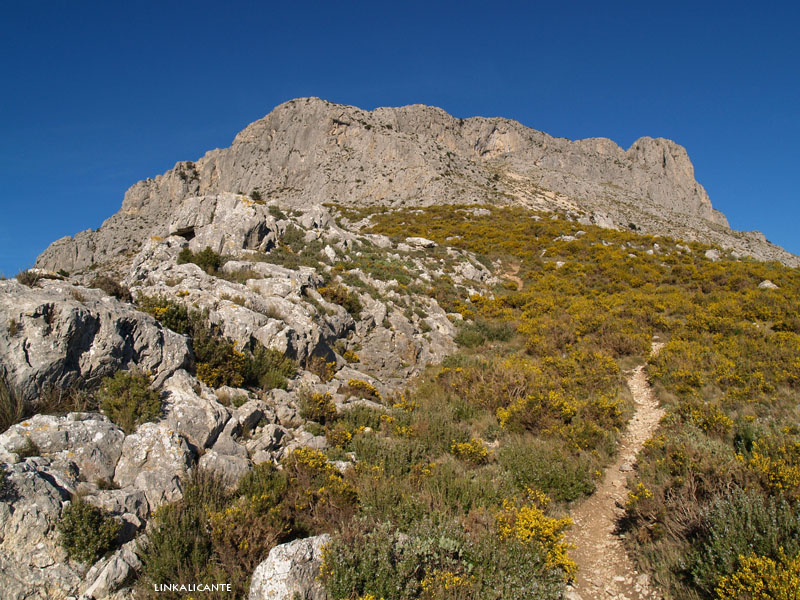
(294, 238)
(546, 466)
(474, 334)
(268, 369)
(340, 295)
(356, 417)
(217, 360)
(87, 532)
(437, 561)
(170, 314)
(277, 213)
(739, 524)
(128, 401)
(179, 542)
(206, 259)
(265, 484)
(29, 449)
(112, 287)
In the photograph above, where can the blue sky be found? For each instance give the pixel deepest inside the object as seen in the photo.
(98, 95)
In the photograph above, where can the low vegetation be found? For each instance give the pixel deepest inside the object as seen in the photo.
(126, 399)
(218, 361)
(713, 505)
(87, 532)
(206, 259)
(112, 287)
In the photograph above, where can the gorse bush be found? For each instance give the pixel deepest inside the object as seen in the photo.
(86, 531)
(170, 314)
(126, 399)
(317, 407)
(762, 578)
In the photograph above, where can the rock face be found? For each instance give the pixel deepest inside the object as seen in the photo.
(87, 441)
(33, 566)
(309, 151)
(55, 335)
(153, 460)
(291, 571)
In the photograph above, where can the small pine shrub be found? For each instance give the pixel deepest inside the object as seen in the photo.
(87, 532)
(128, 401)
(277, 213)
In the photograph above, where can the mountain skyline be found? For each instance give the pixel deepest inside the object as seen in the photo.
(121, 94)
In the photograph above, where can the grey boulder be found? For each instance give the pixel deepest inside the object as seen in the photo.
(291, 571)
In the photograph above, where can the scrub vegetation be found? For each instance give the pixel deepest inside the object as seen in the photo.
(461, 486)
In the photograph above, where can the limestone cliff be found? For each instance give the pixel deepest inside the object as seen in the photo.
(309, 151)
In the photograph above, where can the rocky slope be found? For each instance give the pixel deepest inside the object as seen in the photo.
(309, 151)
(57, 333)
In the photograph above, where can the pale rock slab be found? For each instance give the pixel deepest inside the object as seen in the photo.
(291, 571)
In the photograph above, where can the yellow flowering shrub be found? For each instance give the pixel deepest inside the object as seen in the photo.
(762, 578)
(473, 451)
(364, 389)
(777, 461)
(445, 584)
(530, 525)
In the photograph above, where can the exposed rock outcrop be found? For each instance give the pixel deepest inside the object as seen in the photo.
(57, 335)
(33, 566)
(291, 571)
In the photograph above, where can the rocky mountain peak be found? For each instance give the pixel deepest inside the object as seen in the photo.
(309, 151)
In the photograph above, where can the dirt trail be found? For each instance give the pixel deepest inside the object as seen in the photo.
(604, 569)
(512, 275)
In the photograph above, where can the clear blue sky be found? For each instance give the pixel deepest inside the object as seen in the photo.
(98, 95)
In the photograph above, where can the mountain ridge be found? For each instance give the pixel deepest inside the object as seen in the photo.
(309, 151)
